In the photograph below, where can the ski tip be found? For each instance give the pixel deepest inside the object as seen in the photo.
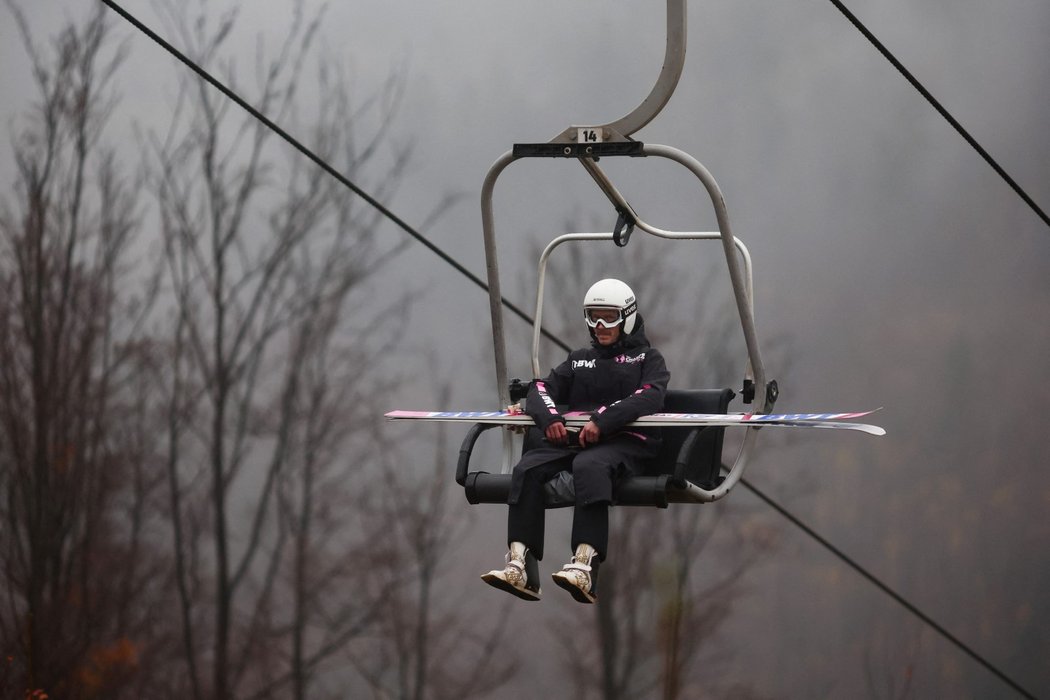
(398, 415)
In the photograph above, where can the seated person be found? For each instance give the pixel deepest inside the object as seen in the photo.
(617, 379)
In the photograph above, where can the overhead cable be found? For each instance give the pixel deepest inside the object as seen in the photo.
(878, 583)
(941, 110)
(320, 162)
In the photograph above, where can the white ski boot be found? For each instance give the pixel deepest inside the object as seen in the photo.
(520, 577)
(580, 576)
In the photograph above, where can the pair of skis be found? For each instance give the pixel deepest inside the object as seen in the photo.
(833, 421)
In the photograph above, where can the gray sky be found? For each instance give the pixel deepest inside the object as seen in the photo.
(904, 270)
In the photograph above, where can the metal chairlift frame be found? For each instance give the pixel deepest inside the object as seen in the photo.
(587, 143)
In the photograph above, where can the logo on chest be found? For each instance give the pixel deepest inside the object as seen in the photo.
(583, 364)
(625, 360)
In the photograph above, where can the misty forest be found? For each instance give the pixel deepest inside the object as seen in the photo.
(234, 235)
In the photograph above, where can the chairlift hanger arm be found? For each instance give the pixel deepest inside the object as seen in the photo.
(587, 144)
(492, 269)
(670, 73)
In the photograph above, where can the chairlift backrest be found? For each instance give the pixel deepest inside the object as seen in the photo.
(704, 460)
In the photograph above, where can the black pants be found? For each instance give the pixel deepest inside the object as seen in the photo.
(526, 519)
(594, 470)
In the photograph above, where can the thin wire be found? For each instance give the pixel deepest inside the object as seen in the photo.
(874, 580)
(940, 109)
(447, 258)
(401, 223)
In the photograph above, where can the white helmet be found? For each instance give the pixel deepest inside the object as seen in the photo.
(610, 294)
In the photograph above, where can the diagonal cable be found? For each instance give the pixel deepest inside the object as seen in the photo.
(875, 581)
(941, 110)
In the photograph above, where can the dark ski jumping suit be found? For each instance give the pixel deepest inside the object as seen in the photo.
(616, 384)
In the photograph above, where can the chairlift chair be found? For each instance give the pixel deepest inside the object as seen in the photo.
(688, 469)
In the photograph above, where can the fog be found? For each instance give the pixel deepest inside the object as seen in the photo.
(900, 269)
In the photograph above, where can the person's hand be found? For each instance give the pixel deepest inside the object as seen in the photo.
(556, 433)
(590, 434)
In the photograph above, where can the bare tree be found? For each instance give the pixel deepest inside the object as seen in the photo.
(427, 647)
(283, 553)
(78, 505)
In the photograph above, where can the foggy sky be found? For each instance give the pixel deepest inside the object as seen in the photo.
(904, 271)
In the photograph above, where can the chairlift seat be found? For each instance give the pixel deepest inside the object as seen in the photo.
(688, 455)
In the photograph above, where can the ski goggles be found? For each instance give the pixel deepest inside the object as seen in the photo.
(606, 316)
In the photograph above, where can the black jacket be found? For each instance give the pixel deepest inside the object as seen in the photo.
(616, 384)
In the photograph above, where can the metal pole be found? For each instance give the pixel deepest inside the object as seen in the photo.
(496, 296)
(736, 272)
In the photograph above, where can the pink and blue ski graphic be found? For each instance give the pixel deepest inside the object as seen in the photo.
(839, 421)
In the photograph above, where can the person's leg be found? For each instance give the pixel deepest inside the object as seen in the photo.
(596, 469)
(526, 515)
(590, 540)
(593, 470)
(528, 505)
(590, 525)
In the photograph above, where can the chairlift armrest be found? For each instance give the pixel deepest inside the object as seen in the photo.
(685, 454)
(467, 448)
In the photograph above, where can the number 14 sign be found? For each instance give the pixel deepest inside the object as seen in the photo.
(587, 134)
